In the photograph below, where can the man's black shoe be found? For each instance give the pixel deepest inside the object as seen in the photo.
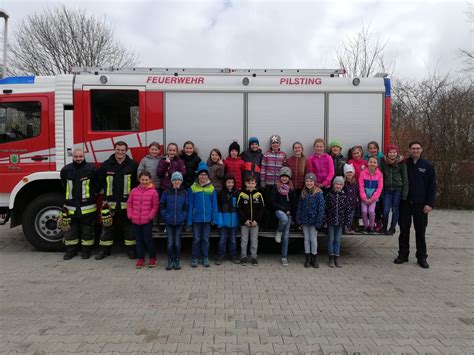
(424, 264)
(400, 260)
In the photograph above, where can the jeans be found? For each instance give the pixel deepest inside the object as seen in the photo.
(391, 200)
(201, 231)
(368, 214)
(334, 240)
(284, 223)
(173, 235)
(310, 239)
(420, 221)
(143, 238)
(245, 232)
(225, 234)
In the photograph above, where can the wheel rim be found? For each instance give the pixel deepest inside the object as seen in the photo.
(46, 224)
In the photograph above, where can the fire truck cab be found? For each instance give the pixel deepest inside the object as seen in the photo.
(42, 119)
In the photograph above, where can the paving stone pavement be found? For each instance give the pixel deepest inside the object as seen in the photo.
(51, 306)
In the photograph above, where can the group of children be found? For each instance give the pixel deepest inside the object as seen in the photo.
(251, 188)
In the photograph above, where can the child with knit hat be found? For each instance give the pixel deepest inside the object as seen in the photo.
(174, 212)
(234, 165)
(337, 216)
(202, 211)
(309, 214)
(335, 151)
(252, 158)
(227, 220)
(272, 162)
(395, 186)
(283, 201)
(351, 188)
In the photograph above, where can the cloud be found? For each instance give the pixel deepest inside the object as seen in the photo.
(421, 35)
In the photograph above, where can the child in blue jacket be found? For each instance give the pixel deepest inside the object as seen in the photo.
(227, 220)
(202, 211)
(174, 211)
(310, 215)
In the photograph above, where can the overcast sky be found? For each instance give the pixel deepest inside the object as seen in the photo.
(423, 36)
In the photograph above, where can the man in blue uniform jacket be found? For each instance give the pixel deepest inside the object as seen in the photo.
(419, 202)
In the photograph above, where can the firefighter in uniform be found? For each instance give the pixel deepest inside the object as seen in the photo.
(117, 177)
(79, 181)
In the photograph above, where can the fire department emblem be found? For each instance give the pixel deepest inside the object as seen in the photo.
(14, 158)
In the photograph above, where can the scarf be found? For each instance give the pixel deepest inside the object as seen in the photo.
(391, 162)
(284, 189)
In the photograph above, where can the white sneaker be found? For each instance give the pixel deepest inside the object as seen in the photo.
(278, 237)
(284, 262)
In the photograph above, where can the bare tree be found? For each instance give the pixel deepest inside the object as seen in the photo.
(56, 40)
(468, 54)
(362, 54)
(439, 112)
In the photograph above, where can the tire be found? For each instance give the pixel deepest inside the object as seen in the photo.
(39, 223)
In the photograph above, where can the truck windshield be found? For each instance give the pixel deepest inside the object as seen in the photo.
(19, 120)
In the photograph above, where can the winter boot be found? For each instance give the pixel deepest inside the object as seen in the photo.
(85, 253)
(69, 254)
(307, 262)
(131, 253)
(336, 261)
(170, 264)
(331, 261)
(314, 260)
(177, 264)
(103, 253)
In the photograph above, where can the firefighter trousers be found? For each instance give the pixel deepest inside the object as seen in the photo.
(120, 220)
(81, 232)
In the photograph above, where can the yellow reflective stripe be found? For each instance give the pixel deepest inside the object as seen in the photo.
(71, 210)
(110, 182)
(127, 179)
(69, 190)
(106, 243)
(85, 189)
(87, 243)
(112, 205)
(71, 242)
(129, 242)
(88, 210)
(123, 205)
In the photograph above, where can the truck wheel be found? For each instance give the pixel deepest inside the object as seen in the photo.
(40, 222)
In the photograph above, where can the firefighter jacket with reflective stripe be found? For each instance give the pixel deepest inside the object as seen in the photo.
(117, 180)
(80, 183)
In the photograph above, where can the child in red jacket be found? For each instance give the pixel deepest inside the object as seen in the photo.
(234, 165)
(142, 207)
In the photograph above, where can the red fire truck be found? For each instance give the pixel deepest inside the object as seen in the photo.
(42, 119)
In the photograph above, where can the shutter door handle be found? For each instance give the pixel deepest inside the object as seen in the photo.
(39, 158)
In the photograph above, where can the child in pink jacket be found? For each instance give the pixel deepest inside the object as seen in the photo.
(370, 188)
(142, 207)
(321, 165)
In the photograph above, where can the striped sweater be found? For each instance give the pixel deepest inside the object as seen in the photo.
(272, 163)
